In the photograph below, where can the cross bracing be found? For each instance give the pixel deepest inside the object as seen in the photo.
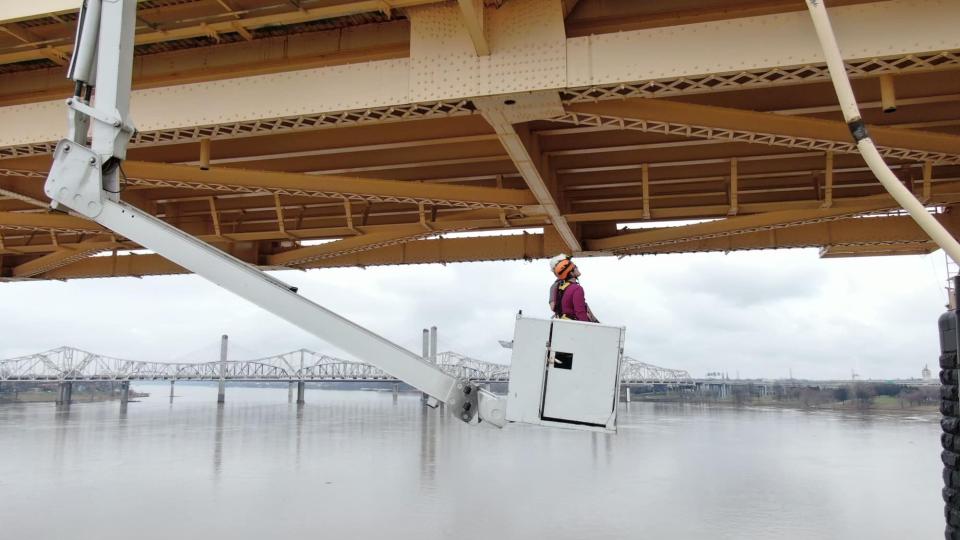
(264, 129)
(71, 364)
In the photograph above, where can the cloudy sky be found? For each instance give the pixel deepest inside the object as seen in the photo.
(756, 314)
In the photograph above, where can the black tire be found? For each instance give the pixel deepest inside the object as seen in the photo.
(950, 408)
(950, 459)
(949, 360)
(949, 376)
(951, 497)
(950, 391)
(951, 478)
(952, 516)
(950, 442)
(950, 425)
(951, 533)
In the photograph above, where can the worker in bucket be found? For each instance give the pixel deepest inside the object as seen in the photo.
(567, 299)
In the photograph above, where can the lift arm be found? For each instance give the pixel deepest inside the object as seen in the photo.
(85, 179)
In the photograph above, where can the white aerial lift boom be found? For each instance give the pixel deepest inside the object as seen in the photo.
(552, 386)
(551, 383)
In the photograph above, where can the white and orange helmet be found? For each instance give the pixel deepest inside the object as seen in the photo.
(561, 266)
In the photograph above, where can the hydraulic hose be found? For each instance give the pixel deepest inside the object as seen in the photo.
(851, 113)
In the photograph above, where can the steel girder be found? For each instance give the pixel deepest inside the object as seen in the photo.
(582, 68)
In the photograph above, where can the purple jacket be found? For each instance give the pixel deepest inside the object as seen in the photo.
(574, 303)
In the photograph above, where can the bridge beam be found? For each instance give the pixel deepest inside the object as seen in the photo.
(723, 123)
(524, 150)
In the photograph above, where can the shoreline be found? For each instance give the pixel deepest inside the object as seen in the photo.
(884, 406)
(51, 397)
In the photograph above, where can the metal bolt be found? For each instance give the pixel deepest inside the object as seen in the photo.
(93, 161)
(465, 416)
(66, 148)
(466, 406)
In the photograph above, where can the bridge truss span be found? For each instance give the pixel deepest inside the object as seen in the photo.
(68, 364)
(634, 371)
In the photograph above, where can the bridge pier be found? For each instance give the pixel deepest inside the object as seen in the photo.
(172, 381)
(300, 388)
(290, 387)
(222, 387)
(65, 393)
(124, 396)
(429, 353)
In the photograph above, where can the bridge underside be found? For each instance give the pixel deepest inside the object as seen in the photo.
(333, 133)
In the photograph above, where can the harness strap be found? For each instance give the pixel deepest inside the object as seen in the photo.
(558, 301)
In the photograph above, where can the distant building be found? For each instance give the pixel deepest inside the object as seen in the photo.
(925, 373)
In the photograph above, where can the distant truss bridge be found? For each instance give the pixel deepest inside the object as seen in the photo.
(68, 364)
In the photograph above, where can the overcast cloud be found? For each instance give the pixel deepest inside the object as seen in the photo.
(759, 314)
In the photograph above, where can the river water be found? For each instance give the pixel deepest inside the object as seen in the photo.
(355, 464)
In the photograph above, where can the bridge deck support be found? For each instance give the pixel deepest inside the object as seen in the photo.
(290, 388)
(300, 388)
(124, 393)
(65, 393)
(222, 387)
(172, 381)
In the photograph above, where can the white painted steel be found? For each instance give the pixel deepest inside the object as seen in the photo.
(275, 296)
(851, 113)
(65, 186)
(75, 179)
(527, 364)
(586, 389)
(85, 43)
(582, 397)
(114, 71)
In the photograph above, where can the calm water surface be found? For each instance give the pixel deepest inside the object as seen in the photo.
(362, 465)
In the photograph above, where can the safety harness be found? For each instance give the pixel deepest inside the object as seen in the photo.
(558, 300)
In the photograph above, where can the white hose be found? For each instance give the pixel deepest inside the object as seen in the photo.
(851, 113)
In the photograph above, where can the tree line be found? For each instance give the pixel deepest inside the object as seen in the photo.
(860, 395)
